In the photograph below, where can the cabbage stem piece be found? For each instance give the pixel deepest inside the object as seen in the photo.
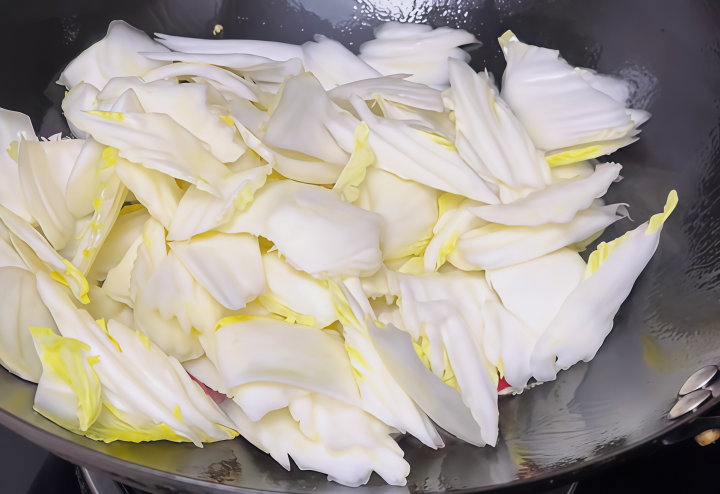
(14, 127)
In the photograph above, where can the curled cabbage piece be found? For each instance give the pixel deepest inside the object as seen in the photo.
(610, 275)
(116, 55)
(146, 395)
(417, 49)
(558, 107)
(313, 228)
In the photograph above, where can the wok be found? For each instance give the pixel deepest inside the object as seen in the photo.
(594, 414)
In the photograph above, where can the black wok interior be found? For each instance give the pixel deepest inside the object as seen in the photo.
(594, 413)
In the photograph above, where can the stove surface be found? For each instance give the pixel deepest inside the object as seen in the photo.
(683, 467)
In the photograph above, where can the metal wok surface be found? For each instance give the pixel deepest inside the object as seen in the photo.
(594, 414)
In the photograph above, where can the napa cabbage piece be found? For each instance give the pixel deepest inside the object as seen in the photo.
(124, 233)
(82, 97)
(273, 50)
(442, 403)
(414, 155)
(266, 73)
(14, 127)
(199, 108)
(317, 150)
(228, 266)
(88, 172)
(395, 89)
(333, 64)
(445, 309)
(21, 308)
(491, 139)
(579, 169)
(116, 55)
(409, 211)
(417, 49)
(558, 203)
(44, 168)
(149, 254)
(146, 395)
(203, 369)
(495, 246)
(296, 292)
(381, 394)
(557, 106)
(253, 349)
(325, 435)
(39, 255)
(313, 228)
(586, 316)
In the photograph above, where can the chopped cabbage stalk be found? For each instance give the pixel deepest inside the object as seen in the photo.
(333, 64)
(116, 55)
(268, 49)
(417, 49)
(394, 89)
(14, 127)
(491, 139)
(21, 308)
(126, 230)
(558, 203)
(228, 266)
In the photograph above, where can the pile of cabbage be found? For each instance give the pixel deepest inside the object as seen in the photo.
(315, 250)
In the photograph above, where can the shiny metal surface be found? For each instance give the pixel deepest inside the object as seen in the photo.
(688, 403)
(99, 484)
(699, 379)
(594, 413)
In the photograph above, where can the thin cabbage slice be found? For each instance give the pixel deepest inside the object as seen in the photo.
(203, 369)
(586, 316)
(555, 104)
(9, 257)
(446, 310)
(150, 253)
(116, 55)
(381, 394)
(408, 209)
(21, 308)
(327, 436)
(118, 280)
(127, 228)
(313, 228)
(197, 107)
(491, 139)
(146, 395)
(417, 49)
(44, 169)
(578, 169)
(390, 88)
(14, 127)
(228, 266)
(442, 403)
(82, 97)
(273, 50)
(558, 203)
(297, 291)
(406, 152)
(333, 64)
(39, 255)
(259, 349)
(89, 171)
(495, 246)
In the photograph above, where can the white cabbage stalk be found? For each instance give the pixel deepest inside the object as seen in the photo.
(579, 169)
(319, 148)
(414, 155)
(442, 403)
(417, 49)
(496, 246)
(203, 369)
(556, 104)
(199, 211)
(333, 64)
(14, 127)
(558, 203)
(82, 97)
(199, 108)
(21, 308)
(446, 309)
(116, 55)
(39, 255)
(228, 266)
(313, 228)
(430, 122)
(408, 210)
(266, 73)
(223, 80)
(273, 50)
(101, 306)
(44, 169)
(9, 257)
(173, 309)
(381, 394)
(89, 170)
(158, 192)
(253, 349)
(610, 275)
(327, 436)
(126, 230)
(392, 88)
(146, 395)
(491, 139)
(297, 291)
(117, 283)
(150, 253)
